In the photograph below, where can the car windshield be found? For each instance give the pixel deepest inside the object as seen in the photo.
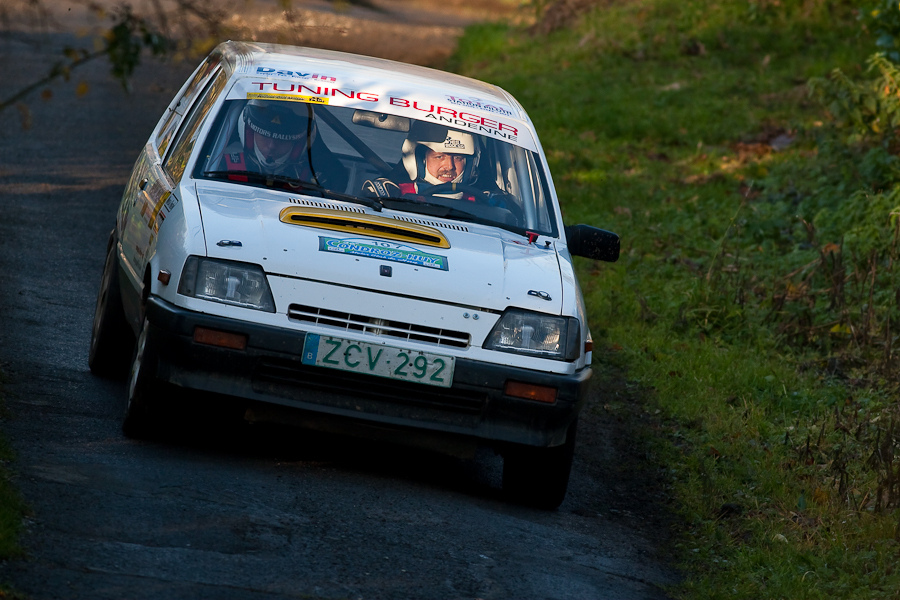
(384, 161)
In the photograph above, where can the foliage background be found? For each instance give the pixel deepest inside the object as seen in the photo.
(746, 152)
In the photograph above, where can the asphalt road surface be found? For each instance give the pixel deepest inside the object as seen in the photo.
(220, 509)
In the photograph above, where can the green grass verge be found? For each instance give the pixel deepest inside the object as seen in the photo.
(687, 127)
(12, 507)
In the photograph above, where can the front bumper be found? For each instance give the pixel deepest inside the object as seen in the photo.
(270, 371)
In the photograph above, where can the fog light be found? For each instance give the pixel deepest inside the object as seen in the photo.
(211, 337)
(529, 391)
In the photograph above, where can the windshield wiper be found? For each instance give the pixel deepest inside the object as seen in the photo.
(293, 183)
(433, 209)
(426, 208)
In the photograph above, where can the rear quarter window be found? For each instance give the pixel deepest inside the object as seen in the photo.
(174, 116)
(187, 136)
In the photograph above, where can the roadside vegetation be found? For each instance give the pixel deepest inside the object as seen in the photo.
(12, 508)
(746, 152)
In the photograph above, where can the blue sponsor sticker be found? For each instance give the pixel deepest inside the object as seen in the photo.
(384, 251)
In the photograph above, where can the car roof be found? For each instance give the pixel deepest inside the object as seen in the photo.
(246, 57)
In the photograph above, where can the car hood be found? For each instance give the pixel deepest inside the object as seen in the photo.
(314, 239)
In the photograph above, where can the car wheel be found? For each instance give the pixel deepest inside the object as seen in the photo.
(111, 337)
(539, 477)
(143, 388)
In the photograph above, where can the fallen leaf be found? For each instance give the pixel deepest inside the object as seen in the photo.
(24, 115)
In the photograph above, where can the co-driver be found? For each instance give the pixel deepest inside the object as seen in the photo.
(279, 138)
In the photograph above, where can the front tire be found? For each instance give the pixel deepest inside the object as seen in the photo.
(143, 388)
(539, 477)
(111, 337)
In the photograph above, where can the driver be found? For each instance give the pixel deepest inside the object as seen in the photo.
(279, 138)
(432, 155)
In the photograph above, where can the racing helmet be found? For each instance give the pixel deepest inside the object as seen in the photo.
(284, 121)
(424, 136)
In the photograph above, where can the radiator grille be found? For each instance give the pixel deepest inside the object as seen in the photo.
(378, 327)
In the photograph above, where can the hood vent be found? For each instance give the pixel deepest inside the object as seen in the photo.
(428, 223)
(327, 205)
(363, 224)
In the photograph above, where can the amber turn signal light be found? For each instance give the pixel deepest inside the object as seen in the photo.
(223, 339)
(539, 393)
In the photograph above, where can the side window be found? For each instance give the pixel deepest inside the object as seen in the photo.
(173, 118)
(187, 136)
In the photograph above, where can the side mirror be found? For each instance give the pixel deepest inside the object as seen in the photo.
(591, 242)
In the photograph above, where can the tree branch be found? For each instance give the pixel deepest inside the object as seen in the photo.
(60, 69)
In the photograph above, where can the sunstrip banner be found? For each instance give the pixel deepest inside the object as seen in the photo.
(384, 251)
(471, 115)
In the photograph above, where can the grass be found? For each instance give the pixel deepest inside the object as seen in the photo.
(12, 507)
(745, 301)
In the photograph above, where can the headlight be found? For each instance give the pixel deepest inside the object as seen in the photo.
(536, 334)
(239, 284)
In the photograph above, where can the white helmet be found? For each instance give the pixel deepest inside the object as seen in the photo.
(425, 136)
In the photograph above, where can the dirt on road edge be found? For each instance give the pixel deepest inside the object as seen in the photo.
(413, 31)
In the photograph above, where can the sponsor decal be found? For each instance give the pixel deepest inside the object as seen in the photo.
(454, 144)
(293, 91)
(157, 216)
(479, 104)
(459, 118)
(171, 202)
(308, 99)
(292, 74)
(383, 251)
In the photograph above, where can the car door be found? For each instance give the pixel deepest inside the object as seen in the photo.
(151, 184)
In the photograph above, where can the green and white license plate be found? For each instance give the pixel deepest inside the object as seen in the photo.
(376, 359)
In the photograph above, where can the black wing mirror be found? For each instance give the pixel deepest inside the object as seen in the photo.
(592, 242)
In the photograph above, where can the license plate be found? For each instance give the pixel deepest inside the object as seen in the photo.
(376, 359)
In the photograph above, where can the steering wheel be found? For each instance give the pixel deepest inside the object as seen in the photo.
(455, 188)
(497, 200)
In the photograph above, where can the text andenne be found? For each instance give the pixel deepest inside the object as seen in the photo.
(443, 114)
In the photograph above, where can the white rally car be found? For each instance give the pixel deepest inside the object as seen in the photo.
(354, 245)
